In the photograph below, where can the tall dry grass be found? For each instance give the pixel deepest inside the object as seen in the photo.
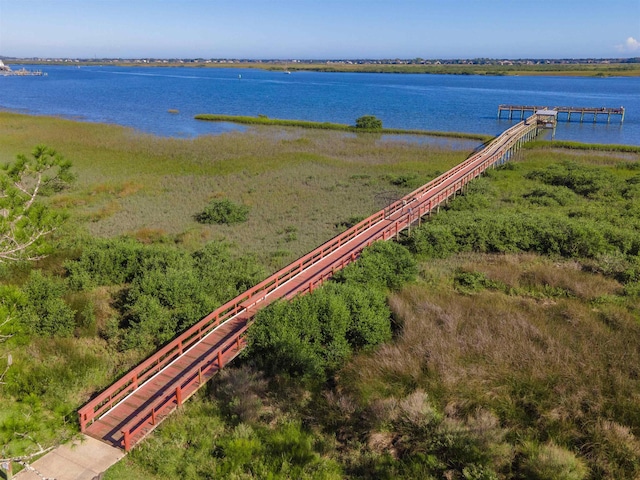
(560, 368)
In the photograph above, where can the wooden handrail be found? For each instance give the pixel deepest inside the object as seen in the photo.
(181, 391)
(143, 371)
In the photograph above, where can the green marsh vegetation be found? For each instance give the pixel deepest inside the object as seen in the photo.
(514, 348)
(500, 340)
(151, 188)
(132, 266)
(588, 70)
(366, 123)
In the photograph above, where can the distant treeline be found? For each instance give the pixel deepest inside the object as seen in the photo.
(629, 67)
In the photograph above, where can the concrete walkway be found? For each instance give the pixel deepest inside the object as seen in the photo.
(83, 459)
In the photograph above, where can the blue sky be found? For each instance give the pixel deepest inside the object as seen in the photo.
(316, 29)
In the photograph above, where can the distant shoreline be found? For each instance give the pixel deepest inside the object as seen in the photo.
(491, 68)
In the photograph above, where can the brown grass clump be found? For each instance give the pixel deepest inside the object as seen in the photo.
(149, 235)
(554, 367)
(106, 211)
(239, 392)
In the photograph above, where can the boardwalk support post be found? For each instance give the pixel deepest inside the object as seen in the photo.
(126, 440)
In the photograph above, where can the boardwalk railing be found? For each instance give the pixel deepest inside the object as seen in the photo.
(582, 111)
(382, 225)
(189, 384)
(110, 397)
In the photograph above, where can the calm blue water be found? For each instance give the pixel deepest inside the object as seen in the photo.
(141, 97)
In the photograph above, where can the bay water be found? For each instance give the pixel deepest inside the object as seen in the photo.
(143, 98)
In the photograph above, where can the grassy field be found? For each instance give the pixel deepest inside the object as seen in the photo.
(506, 364)
(301, 187)
(296, 182)
(514, 351)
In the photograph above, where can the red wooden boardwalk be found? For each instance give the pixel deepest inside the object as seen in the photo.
(128, 410)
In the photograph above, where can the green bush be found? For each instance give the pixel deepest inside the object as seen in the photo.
(406, 181)
(173, 289)
(223, 211)
(369, 316)
(384, 265)
(304, 338)
(165, 289)
(509, 232)
(313, 335)
(106, 262)
(551, 196)
(432, 241)
(45, 312)
(583, 180)
(369, 122)
(471, 282)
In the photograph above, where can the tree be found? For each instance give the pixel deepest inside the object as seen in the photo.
(25, 220)
(369, 122)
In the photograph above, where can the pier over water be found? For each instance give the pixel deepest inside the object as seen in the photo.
(5, 71)
(568, 111)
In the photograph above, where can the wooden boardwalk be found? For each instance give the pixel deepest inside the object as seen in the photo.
(523, 110)
(128, 410)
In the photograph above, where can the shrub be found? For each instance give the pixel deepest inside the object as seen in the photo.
(45, 312)
(106, 262)
(369, 122)
(551, 196)
(223, 211)
(384, 265)
(510, 232)
(313, 335)
(167, 289)
(407, 180)
(304, 338)
(589, 182)
(432, 241)
(369, 316)
(239, 391)
(471, 282)
(173, 289)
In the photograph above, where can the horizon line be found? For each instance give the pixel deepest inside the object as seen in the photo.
(302, 59)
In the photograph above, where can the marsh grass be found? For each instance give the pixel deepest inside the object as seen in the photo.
(263, 120)
(551, 366)
(528, 350)
(582, 146)
(314, 180)
(300, 186)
